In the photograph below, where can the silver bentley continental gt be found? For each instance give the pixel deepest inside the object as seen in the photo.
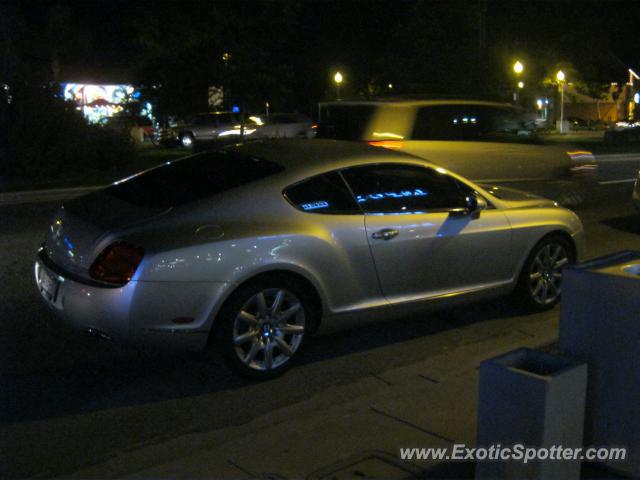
(256, 246)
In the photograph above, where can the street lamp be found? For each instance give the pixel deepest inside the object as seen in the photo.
(560, 77)
(518, 68)
(338, 79)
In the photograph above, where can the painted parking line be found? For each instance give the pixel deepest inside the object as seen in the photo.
(611, 182)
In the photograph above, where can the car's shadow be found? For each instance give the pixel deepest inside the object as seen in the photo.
(102, 375)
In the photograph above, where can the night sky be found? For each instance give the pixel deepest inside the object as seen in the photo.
(288, 49)
(530, 26)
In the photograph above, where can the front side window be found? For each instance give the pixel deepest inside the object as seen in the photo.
(395, 188)
(206, 119)
(226, 119)
(325, 193)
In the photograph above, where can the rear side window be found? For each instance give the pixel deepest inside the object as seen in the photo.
(472, 123)
(193, 178)
(396, 188)
(323, 194)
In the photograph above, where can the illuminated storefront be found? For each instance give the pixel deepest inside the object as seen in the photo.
(101, 101)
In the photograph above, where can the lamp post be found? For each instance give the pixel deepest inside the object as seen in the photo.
(338, 79)
(226, 84)
(560, 77)
(518, 68)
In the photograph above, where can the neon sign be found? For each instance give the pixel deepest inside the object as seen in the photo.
(99, 101)
(314, 205)
(418, 192)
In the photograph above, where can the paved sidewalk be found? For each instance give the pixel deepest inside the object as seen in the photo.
(351, 431)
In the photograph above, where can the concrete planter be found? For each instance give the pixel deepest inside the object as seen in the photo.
(600, 325)
(536, 400)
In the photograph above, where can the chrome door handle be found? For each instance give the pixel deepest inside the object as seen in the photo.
(385, 234)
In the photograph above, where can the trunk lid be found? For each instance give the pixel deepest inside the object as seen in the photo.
(81, 228)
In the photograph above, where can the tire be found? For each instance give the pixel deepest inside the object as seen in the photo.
(540, 282)
(187, 140)
(255, 340)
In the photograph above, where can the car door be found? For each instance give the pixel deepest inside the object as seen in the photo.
(423, 243)
(205, 127)
(336, 248)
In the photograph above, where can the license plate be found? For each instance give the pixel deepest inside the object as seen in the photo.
(48, 285)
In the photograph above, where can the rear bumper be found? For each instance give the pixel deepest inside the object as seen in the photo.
(139, 313)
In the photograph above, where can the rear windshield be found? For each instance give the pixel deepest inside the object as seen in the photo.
(344, 122)
(193, 178)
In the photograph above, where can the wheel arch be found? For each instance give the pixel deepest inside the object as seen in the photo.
(186, 133)
(557, 232)
(564, 235)
(317, 300)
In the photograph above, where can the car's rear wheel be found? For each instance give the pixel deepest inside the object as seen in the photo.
(540, 281)
(262, 327)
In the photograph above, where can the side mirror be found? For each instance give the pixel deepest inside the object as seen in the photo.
(473, 204)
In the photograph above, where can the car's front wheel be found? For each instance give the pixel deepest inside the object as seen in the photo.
(540, 281)
(262, 327)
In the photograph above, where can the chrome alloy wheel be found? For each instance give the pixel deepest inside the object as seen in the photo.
(545, 275)
(268, 329)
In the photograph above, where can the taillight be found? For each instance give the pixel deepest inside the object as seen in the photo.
(583, 164)
(392, 144)
(117, 263)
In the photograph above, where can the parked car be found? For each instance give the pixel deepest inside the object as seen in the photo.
(208, 127)
(284, 125)
(577, 123)
(488, 142)
(255, 246)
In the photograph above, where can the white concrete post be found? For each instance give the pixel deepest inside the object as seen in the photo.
(600, 325)
(532, 399)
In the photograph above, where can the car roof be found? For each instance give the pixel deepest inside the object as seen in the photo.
(304, 158)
